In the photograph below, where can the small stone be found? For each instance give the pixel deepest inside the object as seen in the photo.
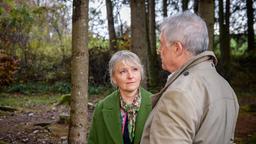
(30, 114)
(64, 140)
(36, 131)
(25, 139)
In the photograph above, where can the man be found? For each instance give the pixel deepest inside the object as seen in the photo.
(196, 106)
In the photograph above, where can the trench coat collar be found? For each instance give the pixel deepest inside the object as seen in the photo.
(204, 56)
(111, 116)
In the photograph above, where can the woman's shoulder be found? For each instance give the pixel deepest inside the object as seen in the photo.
(108, 99)
(145, 92)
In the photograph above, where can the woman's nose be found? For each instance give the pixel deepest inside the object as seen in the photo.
(130, 74)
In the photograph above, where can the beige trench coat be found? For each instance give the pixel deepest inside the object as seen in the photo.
(197, 106)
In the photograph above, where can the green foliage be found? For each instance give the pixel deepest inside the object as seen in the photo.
(96, 42)
(100, 89)
(61, 87)
(29, 88)
(1, 10)
(236, 49)
(2, 142)
(39, 36)
(64, 99)
(27, 101)
(92, 90)
(58, 87)
(8, 68)
(249, 108)
(21, 17)
(251, 139)
(243, 75)
(33, 88)
(238, 45)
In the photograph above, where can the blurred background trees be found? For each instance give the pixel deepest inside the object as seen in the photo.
(37, 33)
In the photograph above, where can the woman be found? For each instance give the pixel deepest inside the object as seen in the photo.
(119, 118)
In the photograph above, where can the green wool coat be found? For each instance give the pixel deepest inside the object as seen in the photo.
(106, 124)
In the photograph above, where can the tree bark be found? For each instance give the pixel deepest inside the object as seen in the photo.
(79, 73)
(250, 36)
(139, 43)
(165, 5)
(196, 6)
(111, 26)
(184, 5)
(206, 11)
(224, 39)
(153, 62)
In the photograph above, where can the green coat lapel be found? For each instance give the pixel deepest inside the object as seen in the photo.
(111, 116)
(142, 115)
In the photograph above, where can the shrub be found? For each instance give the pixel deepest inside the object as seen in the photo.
(8, 67)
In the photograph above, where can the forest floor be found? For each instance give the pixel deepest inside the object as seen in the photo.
(37, 121)
(41, 124)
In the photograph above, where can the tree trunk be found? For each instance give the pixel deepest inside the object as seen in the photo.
(111, 26)
(250, 36)
(224, 39)
(184, 5)
(139, 43)
(153, 61)
(196, 6)
(79, 73)
(165, 5)
(206, 11)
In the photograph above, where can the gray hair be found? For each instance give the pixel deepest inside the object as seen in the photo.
(187, 28)
(126, 56)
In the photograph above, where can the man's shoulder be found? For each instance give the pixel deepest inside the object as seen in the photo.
(185, 80)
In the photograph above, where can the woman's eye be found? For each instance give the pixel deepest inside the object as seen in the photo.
(122, 72)
(135, 69)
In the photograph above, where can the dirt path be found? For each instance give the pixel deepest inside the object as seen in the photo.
(30, 126)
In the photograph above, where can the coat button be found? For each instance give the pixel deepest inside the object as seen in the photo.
(186, 73)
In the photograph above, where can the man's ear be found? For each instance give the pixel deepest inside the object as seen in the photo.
(179, 49)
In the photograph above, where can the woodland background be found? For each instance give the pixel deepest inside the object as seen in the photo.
(40, 39)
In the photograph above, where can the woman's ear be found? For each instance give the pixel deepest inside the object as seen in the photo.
(113, 80)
